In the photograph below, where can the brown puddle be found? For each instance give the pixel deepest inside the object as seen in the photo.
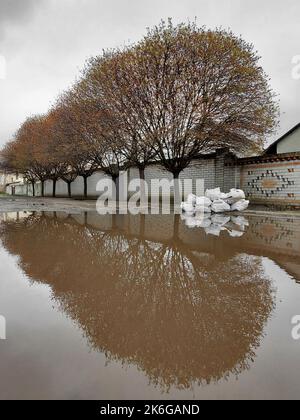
(144, 307)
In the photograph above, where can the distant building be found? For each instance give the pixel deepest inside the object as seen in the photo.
(8, 180)
(289, 143)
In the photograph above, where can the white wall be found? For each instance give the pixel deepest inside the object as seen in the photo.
(291, 144)
(211, 170)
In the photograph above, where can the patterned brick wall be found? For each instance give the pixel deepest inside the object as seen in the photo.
(273, 180)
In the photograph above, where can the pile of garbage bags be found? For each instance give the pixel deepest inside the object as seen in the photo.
(214, 224)
(215, 201)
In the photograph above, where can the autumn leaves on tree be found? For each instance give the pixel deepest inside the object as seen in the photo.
(178, 93)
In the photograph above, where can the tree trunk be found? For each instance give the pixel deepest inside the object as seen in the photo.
(143, 192)
(177, 194)
(69, 184)
(142, 173)
(85, 181)
(54, 188)
(43, 188)
(117, 184)
(70, 189)
(33, 189)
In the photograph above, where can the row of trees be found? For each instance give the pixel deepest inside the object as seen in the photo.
(179, 92)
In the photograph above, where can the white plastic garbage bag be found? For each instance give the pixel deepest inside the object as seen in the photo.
(224, 196)
(241, 205)
(219, 206)
(214, 194)
(203, 205)
(235, 195)
(203, 201)
(187, 208)
(191, 199)
(203, 210)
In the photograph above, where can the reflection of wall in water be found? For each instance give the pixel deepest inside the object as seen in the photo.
(278, 237)
(274, 237)
(275, 234)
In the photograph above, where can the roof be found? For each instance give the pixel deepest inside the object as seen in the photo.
(272, 148)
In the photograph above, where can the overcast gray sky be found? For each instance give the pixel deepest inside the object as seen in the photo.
(46, 42)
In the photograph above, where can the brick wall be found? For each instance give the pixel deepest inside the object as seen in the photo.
(272, 180)
(210, 169)
(265, 179)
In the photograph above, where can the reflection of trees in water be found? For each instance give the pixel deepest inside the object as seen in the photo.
(182, 317)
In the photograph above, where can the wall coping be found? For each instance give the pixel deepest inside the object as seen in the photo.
(284, 157)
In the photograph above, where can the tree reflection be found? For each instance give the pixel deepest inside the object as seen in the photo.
(180, 315)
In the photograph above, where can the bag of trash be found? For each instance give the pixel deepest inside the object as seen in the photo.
(187, 207)
(203, 201)
(201, 209)
(224, 196)
(214, 194)
(219, 206)
(203, 205)
(235, 195)
(191, 199)
(241, 205)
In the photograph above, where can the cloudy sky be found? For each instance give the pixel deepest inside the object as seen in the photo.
(46, 42)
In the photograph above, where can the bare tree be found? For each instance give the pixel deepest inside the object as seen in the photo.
(75, 127)
(180, 92)
(106, 128)
(18, 154)
(103, 84)
(183, 91)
